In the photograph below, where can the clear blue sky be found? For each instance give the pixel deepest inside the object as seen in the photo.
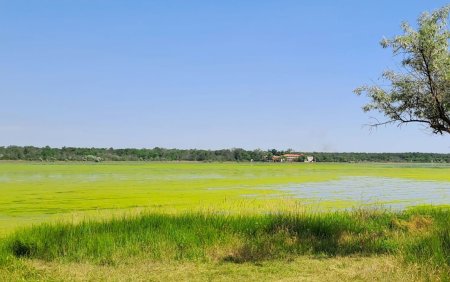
(200, 74)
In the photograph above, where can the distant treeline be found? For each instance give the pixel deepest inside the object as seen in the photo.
(234, 155)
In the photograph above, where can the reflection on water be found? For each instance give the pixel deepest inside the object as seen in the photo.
(390, 192)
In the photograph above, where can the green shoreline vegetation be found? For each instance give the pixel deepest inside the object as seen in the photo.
(31, 153)
(420, 237)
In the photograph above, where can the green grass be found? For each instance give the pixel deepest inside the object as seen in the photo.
(419, 236)
(193, 236)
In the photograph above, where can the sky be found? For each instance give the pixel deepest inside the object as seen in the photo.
(201, 74)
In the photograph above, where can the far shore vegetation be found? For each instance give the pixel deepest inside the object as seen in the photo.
(31, 153)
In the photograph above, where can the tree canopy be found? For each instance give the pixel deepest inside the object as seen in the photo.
(420, 93)
(31, 153)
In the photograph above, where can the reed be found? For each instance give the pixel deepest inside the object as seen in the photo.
(420, 236)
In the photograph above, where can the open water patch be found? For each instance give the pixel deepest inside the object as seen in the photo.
(388, 192)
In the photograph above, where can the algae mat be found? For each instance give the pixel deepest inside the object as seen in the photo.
(32, 192)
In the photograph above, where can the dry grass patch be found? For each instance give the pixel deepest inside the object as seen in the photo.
(304, 268)
(415, 224)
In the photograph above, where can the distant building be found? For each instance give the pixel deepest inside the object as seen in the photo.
(287, 158)
(277, 159)
(309, 159)
(292, 157)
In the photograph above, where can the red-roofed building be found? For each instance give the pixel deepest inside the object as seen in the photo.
(292, 157)
(287, 158)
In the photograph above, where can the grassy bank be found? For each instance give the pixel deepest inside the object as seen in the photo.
(420, 237)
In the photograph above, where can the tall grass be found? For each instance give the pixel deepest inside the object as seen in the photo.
(430, 249)
(420, 236)
(197, 236)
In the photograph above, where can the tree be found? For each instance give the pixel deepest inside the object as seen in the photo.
(421, 93)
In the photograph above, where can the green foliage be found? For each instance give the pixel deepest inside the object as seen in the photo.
(420, 94)
(31, 153)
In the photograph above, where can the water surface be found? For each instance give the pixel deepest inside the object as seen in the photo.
(390, 192)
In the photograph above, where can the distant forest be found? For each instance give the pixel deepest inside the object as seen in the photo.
(31, 153)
